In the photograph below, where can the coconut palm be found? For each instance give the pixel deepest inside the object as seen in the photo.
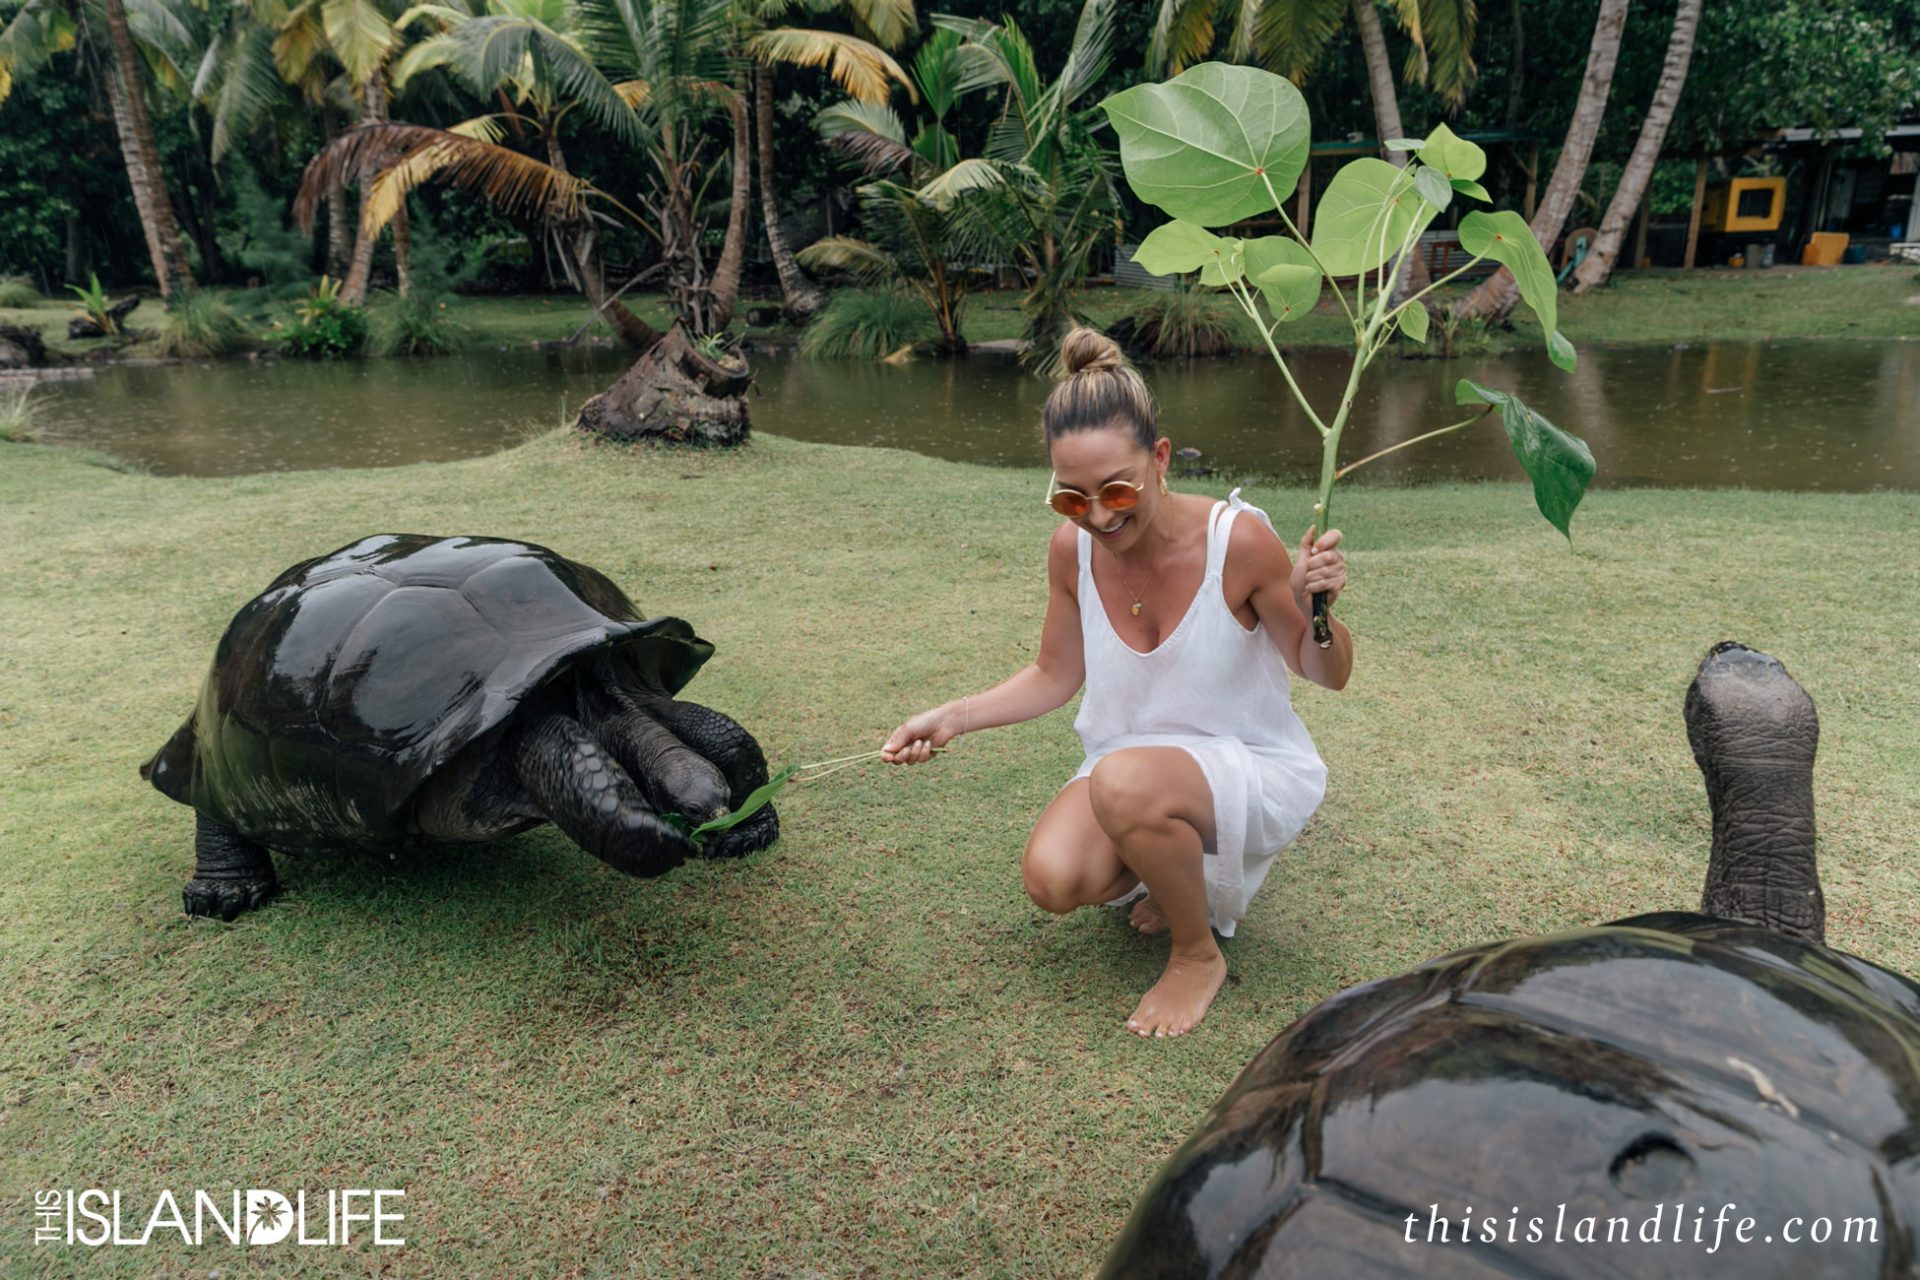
(862, 67)
(36, 30)
(1048, 184)
(1598, 265)
(523, 53)
(912, 241)
(1500, 292)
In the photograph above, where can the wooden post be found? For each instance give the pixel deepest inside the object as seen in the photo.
(1533, 178)
(1640, 236)
(1304, 205)
(1693, 221)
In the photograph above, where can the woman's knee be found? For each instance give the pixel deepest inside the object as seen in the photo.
(1127, 793)
(1051, 879)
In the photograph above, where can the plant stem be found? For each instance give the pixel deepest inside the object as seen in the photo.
(1280, 207)
(1352, 466)
(1246, 303)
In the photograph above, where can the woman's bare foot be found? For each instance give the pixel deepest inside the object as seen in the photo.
(1146, 916)
(1179, 1000)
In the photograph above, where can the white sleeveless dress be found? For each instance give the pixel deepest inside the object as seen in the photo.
(1219, 692)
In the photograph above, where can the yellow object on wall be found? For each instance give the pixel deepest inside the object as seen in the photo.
(1745, 204)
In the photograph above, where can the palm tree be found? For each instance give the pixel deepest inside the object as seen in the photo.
(522, 52)
(1500, 292)
(861, 67)
(1598, 265)
(39, 29)
(911, 242)
(1050, 198)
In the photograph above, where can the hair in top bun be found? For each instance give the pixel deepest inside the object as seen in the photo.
(1099, 389)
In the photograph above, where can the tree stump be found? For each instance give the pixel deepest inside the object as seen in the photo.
(86, 327)
(674, 393)
(21, 347)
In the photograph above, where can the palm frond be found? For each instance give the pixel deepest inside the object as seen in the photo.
(635, 93)
(1444, 52)
(1183, 34)
(862, 69)
(300, 42)
(359, 34)
(972, 174)
(936, 73)
(1290, 35)
(847, 253)
(480, 128)
(889, 22)
(250, 88)
(869, 134)
(1087, 56)
(36, 32)
(504, 178)
(508, 48)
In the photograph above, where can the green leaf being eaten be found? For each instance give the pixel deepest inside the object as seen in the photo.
(754, 803)
(1559, 463)
(1206, 145)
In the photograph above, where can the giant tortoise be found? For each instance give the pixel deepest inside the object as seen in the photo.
(407, 687)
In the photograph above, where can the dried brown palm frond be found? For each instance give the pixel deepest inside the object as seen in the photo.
(408, 155)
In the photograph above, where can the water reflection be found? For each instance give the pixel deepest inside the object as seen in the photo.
(1807, 415)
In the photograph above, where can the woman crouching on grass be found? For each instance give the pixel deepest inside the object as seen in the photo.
(1182, 621)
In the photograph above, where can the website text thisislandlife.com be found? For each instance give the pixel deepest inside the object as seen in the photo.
(1707, 1227)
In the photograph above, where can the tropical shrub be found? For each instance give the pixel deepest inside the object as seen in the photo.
(1185, 321)
(94, 305)
(18, 291)
(19, 409)
(868, 324)
(322, 326)
(417, 325)
(198, 324)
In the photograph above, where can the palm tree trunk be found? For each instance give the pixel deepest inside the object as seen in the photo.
(583, 264)
(1386, 118)
(373, 106)
(402, 251)
(1497, 295)
(802, 296)
(1646, 151)
(142, 155)
(733, 250)
(339, 212)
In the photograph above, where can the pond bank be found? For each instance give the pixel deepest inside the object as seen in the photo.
(851, 1051)
(1653, 306)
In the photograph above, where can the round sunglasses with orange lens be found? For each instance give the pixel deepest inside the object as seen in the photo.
(1115, 495)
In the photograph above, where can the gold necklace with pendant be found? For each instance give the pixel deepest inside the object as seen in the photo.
(1129, 586)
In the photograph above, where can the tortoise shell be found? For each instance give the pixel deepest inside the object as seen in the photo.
(338, 691)
(1665, 1064)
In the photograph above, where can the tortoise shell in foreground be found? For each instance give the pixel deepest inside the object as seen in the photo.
(1668, 1063)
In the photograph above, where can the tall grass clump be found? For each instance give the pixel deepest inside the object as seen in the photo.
(1185, 321)
(19, 408)
(418, 325)
(199, 324)
(18, 291)
(867, 324)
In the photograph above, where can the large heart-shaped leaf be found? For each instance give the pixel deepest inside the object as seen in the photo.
(1507, 239)
(1559, 462)
(1453, 155)
(1369, 208)
(1176, 248)
(1285, 272)
(1205, 145)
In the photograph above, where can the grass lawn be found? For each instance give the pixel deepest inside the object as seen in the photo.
(862, 1052)
(1643, 306)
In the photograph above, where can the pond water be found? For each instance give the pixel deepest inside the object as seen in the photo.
(1841, 415)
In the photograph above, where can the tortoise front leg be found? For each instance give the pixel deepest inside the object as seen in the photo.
(231, 873)
(585, 792)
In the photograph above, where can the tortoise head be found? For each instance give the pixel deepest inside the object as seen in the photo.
(1754, 732)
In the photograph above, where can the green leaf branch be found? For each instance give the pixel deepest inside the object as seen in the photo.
(1218, 144)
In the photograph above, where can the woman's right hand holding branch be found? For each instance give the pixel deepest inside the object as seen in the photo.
(915, 741)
